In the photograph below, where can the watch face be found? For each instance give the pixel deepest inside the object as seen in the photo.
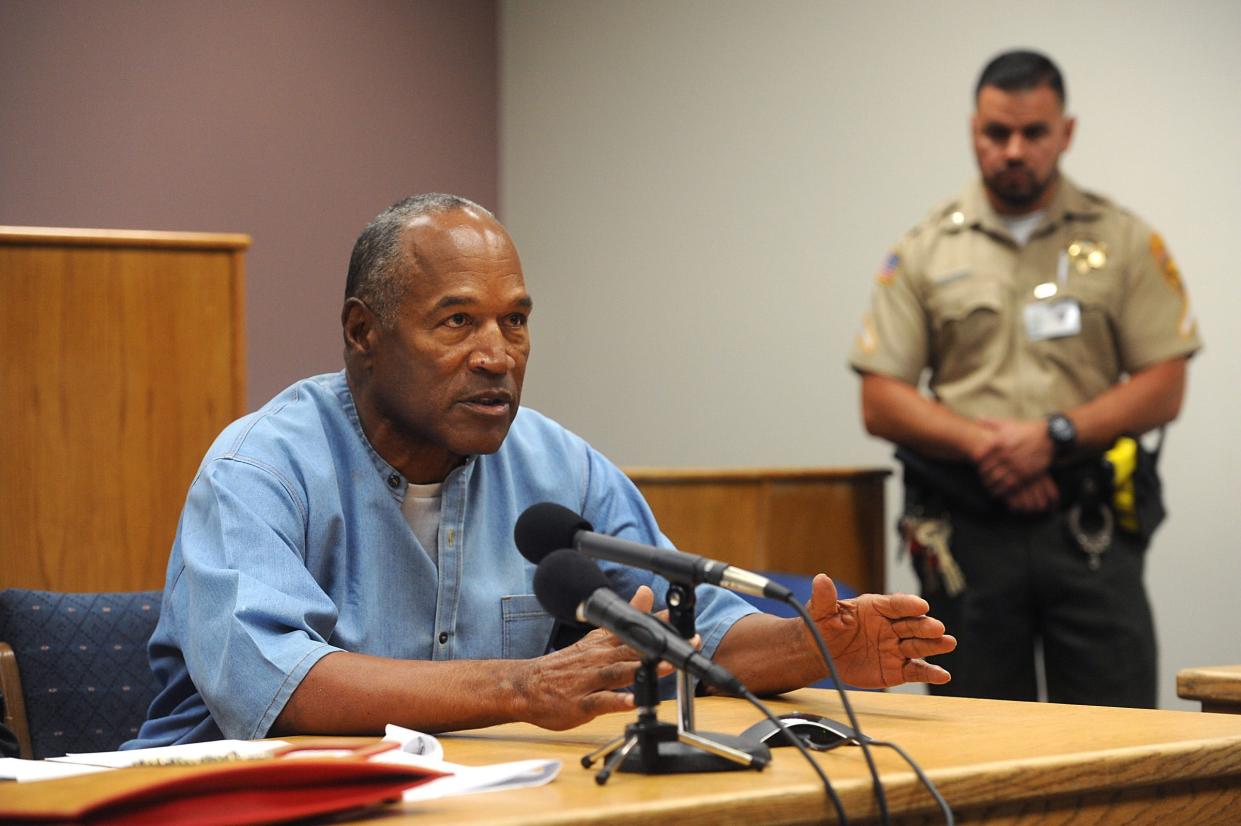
(1061, 430)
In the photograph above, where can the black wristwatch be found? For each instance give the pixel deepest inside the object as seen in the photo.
(1063, 434)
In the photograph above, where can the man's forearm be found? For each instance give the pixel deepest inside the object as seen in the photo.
(346, 693)
(1149, 399)
(896, 411)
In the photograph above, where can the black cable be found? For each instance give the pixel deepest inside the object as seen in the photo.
(796, 741)
(881, 799)
(926, 781)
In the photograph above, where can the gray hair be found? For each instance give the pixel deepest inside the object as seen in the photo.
(376, 267)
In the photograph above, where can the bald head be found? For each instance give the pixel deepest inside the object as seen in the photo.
(379, 267)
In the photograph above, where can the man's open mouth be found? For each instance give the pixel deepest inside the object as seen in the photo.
(498, 401)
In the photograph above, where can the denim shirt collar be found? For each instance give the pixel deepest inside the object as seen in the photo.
(395, 481)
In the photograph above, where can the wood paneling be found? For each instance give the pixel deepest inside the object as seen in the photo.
(801, 521)
(123, 357)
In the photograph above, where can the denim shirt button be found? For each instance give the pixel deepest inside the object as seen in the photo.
(394, 481)
(443, 637)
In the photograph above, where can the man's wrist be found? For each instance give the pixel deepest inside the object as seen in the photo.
(514, 687)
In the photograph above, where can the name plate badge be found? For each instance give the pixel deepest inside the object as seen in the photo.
(1053, 319)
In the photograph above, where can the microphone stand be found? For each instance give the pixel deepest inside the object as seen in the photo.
(682, 602)
(662, 748)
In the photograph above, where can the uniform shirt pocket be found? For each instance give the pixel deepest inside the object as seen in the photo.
(525, 627)
(968, 317)
(1091, 356)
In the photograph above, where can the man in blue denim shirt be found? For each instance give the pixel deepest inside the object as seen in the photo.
(345, 556)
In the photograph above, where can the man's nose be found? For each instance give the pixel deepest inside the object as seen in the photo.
(491, 352)
(1015, 147)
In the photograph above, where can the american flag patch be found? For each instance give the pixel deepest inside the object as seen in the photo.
(887, 272)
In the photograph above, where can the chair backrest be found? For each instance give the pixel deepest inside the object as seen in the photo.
(85, 678)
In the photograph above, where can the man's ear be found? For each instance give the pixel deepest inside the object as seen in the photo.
(1069, 125)
(358, 325)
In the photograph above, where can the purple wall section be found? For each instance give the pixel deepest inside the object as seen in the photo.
(294, 121)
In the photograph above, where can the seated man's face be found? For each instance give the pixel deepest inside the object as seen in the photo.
(447, 377)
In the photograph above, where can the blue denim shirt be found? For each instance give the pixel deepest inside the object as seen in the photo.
(292, 545)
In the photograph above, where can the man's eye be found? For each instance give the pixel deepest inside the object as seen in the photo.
(1033, 133)
(997, 133)
(517, 320)
(457, 320)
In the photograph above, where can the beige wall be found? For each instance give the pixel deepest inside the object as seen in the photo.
(702, 191)
(292, 120)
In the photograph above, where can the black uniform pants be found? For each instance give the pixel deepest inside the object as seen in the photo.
(1027, 581)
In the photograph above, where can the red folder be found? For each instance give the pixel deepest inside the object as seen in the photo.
(225, 793)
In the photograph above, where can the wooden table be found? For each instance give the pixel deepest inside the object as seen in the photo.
(1217, 687)
(995, 762)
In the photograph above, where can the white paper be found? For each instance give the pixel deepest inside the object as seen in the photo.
(414, 742)
(496, 777)
(424, 751)
(417, 749)
(188, 752)
(23, 771)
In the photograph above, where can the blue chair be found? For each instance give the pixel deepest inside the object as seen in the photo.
(76, 665)
(800, 585)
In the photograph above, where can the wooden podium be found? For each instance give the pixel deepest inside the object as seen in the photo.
(123, 357)
(798, 521)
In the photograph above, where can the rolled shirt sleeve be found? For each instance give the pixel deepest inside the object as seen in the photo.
(1156, 321)
(894, 336)
(251, 616)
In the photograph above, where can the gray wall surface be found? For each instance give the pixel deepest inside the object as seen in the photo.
(294, 121)
(702, 191)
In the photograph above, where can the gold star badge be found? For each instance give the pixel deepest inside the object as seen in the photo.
(1087, 255)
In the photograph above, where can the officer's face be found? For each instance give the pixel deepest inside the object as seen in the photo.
(444, 381)
(1018, 139)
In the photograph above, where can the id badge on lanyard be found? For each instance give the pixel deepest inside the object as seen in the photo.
(1048, 317)
(1056, 318)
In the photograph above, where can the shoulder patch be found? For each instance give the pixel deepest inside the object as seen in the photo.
(1167, 266)
(866, 340)
(1186, 324)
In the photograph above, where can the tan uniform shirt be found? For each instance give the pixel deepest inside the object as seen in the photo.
(994, 321)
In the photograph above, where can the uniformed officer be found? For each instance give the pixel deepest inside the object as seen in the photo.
(1051, 323)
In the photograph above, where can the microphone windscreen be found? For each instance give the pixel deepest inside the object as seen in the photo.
(547, 527)
(564, 580)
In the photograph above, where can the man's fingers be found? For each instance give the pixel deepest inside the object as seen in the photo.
(902, 607)
(919, 671)
(927, 628)
(823, 596)
(606, 702)
(643, 599)
(618, 675)
(916, 648)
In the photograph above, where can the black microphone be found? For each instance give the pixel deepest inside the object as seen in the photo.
(570, 586)
(547, 527)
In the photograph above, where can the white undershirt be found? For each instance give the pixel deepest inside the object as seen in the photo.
(421, 509)
(1021, 227)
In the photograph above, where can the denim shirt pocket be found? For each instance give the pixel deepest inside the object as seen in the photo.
(526, 627)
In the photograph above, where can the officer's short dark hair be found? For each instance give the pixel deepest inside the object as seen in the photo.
(1020, 70)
